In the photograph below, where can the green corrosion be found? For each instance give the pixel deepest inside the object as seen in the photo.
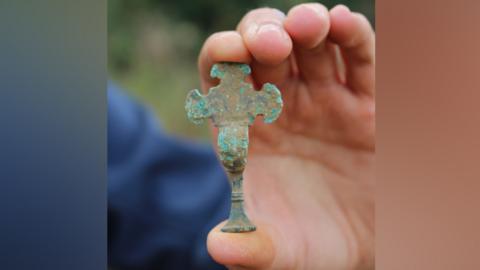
(269, 104)
(245, 69)
(233, 106)
(196, 107)
(242, 90)
(272, 116)
(232, 144)
(216, 72)
(233, 139)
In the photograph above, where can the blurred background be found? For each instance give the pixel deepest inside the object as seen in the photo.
(153, 47)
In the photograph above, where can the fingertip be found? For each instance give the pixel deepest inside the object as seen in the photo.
(268, 43)
(308, 24)
(354, 35)
(252, 249)
(342, 24)
(340, 9)
(227, 46)
(266, 39)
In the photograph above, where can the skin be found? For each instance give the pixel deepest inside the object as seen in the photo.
(310, 175)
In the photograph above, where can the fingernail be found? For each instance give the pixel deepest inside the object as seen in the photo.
(268, 28)
(252, 30)
(272, 29)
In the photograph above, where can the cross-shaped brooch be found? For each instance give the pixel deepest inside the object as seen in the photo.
(233, 105)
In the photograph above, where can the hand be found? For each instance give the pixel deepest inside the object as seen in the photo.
(309, 178)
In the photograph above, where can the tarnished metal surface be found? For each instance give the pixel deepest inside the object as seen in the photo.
(233, 105)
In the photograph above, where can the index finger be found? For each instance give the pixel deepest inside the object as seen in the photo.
(225, 46)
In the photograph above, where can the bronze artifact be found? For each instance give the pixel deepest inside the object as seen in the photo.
(233, 105)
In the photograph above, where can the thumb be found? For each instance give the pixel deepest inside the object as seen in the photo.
(250, 250)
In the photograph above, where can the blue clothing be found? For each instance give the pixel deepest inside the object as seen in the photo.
(164, 194)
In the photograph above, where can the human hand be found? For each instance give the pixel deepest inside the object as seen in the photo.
(309, 177)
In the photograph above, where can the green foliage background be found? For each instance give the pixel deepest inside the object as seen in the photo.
(153, 47)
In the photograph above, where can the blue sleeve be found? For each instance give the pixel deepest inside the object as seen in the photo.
(164, 195)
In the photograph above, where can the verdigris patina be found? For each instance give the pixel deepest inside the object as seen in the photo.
(233, 105)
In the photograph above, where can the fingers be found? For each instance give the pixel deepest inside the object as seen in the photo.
(317, 34)
(308, 26)
(252, 250)
(328, 46)
(264, 36)
(268, 42)
(225, 46)
(353, 33)
(260, 41)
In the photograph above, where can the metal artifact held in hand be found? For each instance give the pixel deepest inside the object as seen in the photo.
(233, 105)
